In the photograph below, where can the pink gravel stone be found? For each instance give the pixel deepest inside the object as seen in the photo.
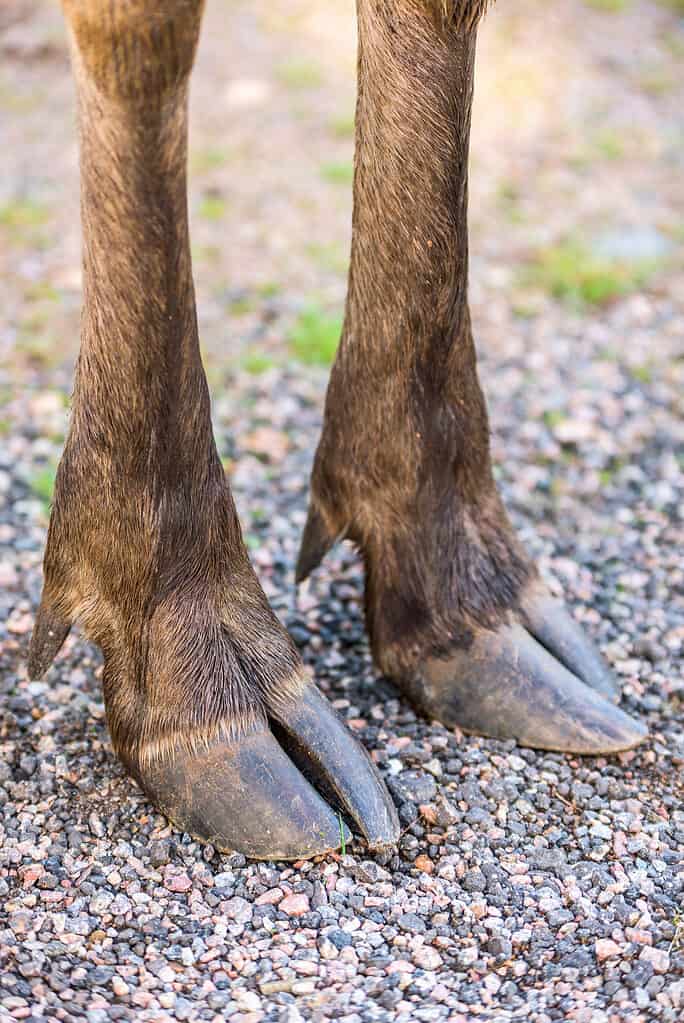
(294, 905)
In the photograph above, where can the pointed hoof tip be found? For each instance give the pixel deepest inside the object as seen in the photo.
(317, 540)
(320, 744)
(302, 573)
(556, 630)
(383, 843)
(35, 669)
(49, 633)
(307, 562)
(602, 729)
(508, 686)
(38, 663)
(632, 734)
(379, 825)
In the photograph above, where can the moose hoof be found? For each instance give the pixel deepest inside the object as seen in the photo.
(558, 632)
(259, 794)
(506, 685)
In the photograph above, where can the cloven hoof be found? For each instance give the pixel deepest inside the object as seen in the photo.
(543, 685)
(262, 794)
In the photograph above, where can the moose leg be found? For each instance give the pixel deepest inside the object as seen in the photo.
(456, 612)
(207, 701)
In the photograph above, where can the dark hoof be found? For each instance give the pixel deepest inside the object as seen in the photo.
(506, 685)
(317, 540)
(324, 750)
(555, 629)
(49, 632)
(247, 795)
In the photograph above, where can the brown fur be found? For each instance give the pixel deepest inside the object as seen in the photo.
(463, 15)
(403, 465)
(144, 544)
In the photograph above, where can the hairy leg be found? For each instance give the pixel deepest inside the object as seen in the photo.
(144, 545)
(456, 612)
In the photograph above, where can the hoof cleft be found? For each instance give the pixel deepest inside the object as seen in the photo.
(264, 793)
(552, 626)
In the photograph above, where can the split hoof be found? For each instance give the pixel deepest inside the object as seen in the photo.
(250, 796)
(506, 685)
(325, 751)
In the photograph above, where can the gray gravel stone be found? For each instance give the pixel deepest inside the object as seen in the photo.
(414, 787)
(527, 886)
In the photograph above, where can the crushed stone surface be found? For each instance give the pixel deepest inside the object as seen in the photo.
(526, 885)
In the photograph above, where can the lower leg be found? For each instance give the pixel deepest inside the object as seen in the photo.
(144, 547)
(455, 609)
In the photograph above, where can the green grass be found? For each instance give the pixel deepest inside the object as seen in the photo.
(610, 6)
(329, 257)
(671, 38)
(604, 144)
(43, 484)
(677, 942)
(508, 201)
(524, 310)
(656, 80)
(212, 207)
(299, 74)
(675, 5)
(203, 160)
(571, 272)
(22, 213)
(338, 172)
(242, 305)
(268, 289)
(552, 418)
(610, 472)
(342, 127)
(210, 254)
(609, 144)
(41, 291)
(35, 340)
(257, 363)
(22, 220)
(643, 373)
(315, 336)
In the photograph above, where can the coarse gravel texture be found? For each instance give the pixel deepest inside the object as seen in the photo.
(526, 886)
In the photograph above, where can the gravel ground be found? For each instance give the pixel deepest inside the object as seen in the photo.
(526, 885)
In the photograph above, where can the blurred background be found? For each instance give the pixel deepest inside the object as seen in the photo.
(577, 229)
(576, 177)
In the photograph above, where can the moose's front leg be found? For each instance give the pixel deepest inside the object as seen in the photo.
(144, 544)
(456, 612)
